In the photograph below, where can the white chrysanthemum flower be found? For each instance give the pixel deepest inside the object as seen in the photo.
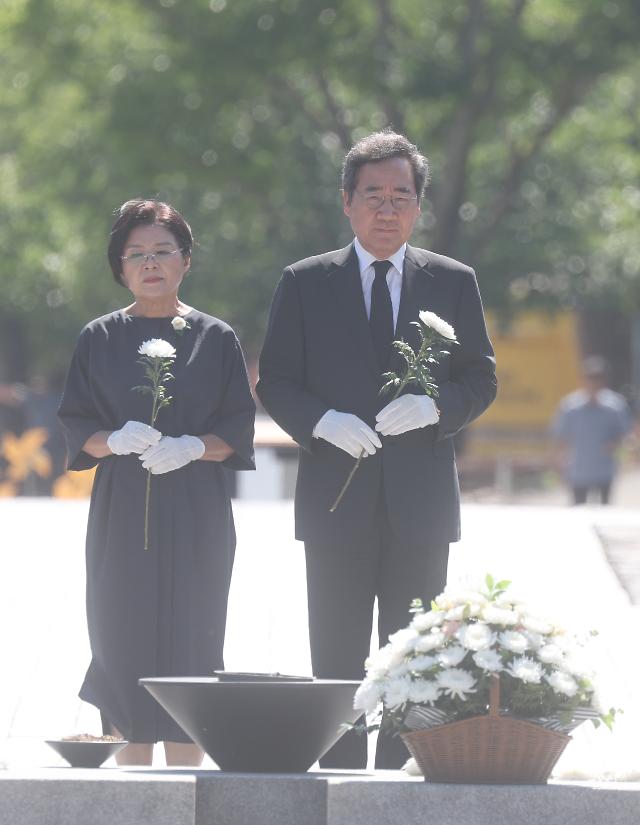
(411, 768)
(536, 640)
(368, 695)
(507, 601)
(403, 640)
(576, 664)
(178, 323)
(455, 614)
(476, 636)
(499, 615)
(399, 670)
(565, 641)
(382, 661)
(157, 348)
(430, 319)
(536, 625)
(475, 607)
(443, 600)
(563, 683)
(396, 692)
(456, 682)
(550, 654)
(429, 641)
(421, 663)
(514, 641)
(526, 670)
(452, 656)
(425, 621)
(488, 660)
(424, 692)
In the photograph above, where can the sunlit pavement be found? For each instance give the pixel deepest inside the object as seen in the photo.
(551, 554)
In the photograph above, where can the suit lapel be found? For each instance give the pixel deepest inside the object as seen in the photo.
(348, 303)
(417, 283)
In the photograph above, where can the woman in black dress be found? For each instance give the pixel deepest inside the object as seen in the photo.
(159, 611)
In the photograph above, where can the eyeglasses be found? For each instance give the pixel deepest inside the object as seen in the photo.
(145, 257)
(398, 202)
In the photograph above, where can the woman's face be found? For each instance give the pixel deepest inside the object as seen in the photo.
(153, 265)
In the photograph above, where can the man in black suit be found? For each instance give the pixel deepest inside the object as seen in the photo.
(328, 341)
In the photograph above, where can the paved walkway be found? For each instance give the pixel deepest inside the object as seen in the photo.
(551, 553)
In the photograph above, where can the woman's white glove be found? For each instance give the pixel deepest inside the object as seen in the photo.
(134, 437)
(172, 453)
(409, 412)
(348, 432)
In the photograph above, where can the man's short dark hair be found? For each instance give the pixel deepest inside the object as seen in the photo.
(383, 146)
(145, 211)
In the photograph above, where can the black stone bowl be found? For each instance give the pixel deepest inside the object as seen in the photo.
(253, 726)
(81, 754)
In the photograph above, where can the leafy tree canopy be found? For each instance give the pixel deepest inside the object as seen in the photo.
(239, 112)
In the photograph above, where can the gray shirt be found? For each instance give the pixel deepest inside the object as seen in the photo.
(592, 429)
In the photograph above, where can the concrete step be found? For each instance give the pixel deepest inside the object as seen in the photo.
(67, 796)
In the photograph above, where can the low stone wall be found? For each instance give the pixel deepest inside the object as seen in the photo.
(67, 796)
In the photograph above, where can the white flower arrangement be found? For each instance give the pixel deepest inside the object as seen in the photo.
(439, 668)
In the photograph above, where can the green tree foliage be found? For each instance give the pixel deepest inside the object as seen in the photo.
(239, 112)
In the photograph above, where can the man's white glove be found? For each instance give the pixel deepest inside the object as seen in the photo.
(172, 453)
(134, 437)
(409, 412)
(348, 432)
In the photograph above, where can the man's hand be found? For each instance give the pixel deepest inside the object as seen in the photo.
(172, 453)
(348, 432)
(134, 437)
(409, 412)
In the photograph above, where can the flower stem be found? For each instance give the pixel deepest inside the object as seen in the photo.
(360, 457)
(347, 482)
(154, 413)
(146, 511)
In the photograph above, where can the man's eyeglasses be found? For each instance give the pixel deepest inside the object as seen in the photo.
(145, 257)
(398, 202)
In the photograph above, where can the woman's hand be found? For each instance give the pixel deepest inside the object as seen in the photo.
(172, 453)
(134, 437)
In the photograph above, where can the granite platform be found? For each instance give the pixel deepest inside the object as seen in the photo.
(68, 796)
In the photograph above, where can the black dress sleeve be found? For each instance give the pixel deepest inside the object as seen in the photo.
(77, 411)
(233, 420)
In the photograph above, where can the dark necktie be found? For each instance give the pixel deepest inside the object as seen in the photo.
(381, 317)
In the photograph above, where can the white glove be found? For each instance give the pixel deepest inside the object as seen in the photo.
(172, 453)
(348, 432)
(134, 437)
(409, 412)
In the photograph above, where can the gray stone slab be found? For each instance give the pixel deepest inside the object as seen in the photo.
(383, 803)
(68, 796)
(251, 799)
(59, 796)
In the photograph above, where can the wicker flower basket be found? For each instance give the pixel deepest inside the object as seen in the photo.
(487, 749)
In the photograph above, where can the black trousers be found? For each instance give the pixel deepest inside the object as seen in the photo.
(581, 492)
(343, 581)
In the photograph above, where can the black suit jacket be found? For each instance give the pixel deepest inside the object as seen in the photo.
(318, 356)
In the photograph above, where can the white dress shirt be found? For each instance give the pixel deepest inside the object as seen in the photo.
(394, 276)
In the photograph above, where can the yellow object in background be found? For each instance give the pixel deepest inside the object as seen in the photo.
(538, 362)
(74, 485)
(25, 454)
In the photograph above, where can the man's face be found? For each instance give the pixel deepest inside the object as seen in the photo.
(383, 230)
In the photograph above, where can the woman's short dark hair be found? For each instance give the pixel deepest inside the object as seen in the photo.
(145, 211)
(382, 146)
